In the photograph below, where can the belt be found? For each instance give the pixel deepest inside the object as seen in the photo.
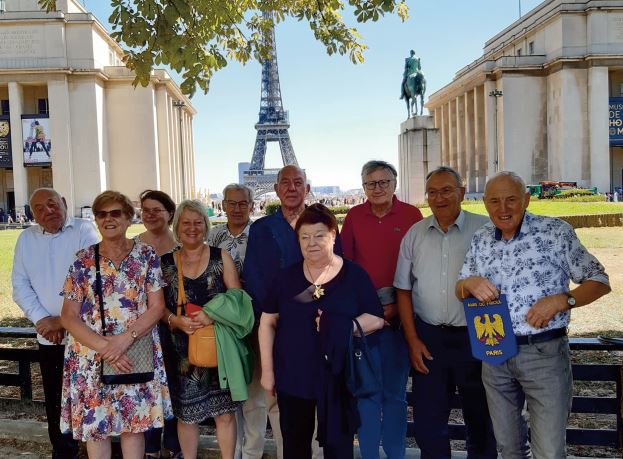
(541, 337)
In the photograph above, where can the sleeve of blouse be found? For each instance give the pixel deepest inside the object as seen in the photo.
(76, 280)
(271, 304)
(153, 280)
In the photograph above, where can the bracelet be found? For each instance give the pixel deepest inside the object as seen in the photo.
(169, 319)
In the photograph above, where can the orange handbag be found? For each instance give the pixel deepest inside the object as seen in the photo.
(202, 343)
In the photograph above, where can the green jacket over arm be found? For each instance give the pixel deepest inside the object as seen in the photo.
(233, 318)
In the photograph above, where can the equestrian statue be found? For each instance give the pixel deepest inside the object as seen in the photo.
(413, 85)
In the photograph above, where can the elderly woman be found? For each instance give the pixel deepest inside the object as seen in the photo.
(157, 210)
(291, 342)
(206, 271)
(132, 302)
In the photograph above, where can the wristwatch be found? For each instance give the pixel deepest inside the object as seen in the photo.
(570, 300)
(134, 335)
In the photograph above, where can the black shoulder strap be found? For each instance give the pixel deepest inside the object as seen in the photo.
(98, 287)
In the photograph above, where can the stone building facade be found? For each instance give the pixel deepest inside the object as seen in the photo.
(537, 101)
(76, 122)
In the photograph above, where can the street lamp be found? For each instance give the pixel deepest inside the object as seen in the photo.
(496, 158)
(180, 104)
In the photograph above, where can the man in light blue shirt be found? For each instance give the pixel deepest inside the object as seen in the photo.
(433, 322)
(42, 257)
(531, 259)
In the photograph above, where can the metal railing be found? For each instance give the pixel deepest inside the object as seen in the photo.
(610, 405)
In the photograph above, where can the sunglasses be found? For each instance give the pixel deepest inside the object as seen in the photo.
(102, 214)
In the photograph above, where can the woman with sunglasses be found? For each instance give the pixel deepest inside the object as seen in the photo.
(133, 302)
(157, 210)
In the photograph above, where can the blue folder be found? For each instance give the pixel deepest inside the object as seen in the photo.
(490, 330)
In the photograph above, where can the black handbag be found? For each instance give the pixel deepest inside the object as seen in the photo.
(140, 353)
(363, 374)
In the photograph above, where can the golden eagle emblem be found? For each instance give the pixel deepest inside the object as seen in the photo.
(489, 333)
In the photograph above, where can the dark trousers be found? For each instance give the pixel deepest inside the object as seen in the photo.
(453, 367)
(171, 442)
(51, 363)
(297, 418)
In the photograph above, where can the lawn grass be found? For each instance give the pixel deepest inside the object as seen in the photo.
(605, 316)
(551, 208)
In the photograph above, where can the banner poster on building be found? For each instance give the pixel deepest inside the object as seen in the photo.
(36, 140)
(6, 157)
(616, 121)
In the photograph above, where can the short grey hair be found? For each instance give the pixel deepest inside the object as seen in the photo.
(375, 165)
(47, 190)
(445, 170)
(238, 187)
(514, 176)
(301, 171)
(193, 206)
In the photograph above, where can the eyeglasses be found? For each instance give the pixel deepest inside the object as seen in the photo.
(444, 192)
(383, 184)
(154, 211)
(102, 214)
(243, 205)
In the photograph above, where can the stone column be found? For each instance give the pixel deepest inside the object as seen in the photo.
(163, 101)
(60, 133)
(445, 159)
(20, 178)
(470, 162)
(191, 155)
(452, 134)
(480, 147)
(490, 139)
(460, 134)
(175, 154)
(599, 142)
(419, 152)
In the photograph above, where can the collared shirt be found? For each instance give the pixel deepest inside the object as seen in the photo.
(374, 242)
(40, 265)
(221, 237)
(538, 261)
(272, 246)
(429, 263)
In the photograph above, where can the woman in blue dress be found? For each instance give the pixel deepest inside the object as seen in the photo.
(304, 332)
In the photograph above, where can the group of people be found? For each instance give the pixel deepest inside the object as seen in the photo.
(292, 290)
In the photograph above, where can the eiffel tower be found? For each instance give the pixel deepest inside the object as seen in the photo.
(272, 125)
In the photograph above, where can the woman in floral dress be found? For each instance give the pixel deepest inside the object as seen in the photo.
(133, 304)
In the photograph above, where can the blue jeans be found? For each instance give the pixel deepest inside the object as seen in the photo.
(540, 374)
(384, 415)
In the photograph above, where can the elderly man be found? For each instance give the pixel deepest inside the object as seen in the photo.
(233, 236)
(273, 245)
(42, 257)
(371, 236)
(531, 259)
(431, 255)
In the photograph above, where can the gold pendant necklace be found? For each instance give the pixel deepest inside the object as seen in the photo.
(318, 290)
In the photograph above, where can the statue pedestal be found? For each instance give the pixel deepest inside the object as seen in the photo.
(419, 152)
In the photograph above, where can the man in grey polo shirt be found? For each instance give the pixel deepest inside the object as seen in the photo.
(431, 256)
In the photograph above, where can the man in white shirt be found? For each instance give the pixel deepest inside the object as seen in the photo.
(43, 254)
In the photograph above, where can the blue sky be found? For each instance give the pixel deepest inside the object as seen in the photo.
(341, 114)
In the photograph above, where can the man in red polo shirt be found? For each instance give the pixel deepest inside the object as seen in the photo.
(371, 236)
